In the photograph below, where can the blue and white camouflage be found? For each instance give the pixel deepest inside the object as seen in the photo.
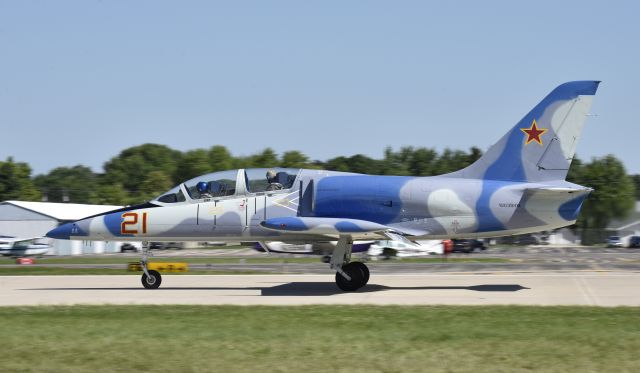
(518, 186)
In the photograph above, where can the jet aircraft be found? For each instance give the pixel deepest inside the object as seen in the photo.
(518, 186)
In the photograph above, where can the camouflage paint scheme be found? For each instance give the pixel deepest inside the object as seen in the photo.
(518, 186)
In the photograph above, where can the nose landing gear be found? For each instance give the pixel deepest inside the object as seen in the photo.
(150, 279)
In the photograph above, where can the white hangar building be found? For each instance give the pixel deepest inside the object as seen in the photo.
(35, 219)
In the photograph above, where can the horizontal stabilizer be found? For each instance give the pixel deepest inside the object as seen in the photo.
(568, 202)
(558, 191)
(322, 225)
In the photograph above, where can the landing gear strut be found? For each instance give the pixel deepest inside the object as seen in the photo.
(150, 279)
(350, 276)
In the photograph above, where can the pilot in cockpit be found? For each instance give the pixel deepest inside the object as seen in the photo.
(203, 189)
(272, 181)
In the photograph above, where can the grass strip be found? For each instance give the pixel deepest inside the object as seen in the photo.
(320, 339)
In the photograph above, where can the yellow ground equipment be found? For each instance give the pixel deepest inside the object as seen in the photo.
(160, 267)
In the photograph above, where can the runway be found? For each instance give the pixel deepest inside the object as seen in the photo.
(574, 288)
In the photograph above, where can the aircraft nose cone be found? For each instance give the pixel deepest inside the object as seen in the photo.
(62, 232)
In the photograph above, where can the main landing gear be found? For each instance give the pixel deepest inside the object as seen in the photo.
(350, 276)
(150, 279)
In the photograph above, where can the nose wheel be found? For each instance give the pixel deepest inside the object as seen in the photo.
(152, 280)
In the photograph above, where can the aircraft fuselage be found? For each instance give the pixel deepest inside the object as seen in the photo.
(424, 207)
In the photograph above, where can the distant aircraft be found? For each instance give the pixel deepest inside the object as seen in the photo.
(22, 247)
(406, 249)
(518, 186)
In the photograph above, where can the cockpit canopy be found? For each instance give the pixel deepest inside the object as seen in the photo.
(233, 182)
(172, 196)
(217, 184)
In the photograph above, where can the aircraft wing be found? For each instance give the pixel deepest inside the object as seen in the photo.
(330, 226)
(335, 227)
(14, 240)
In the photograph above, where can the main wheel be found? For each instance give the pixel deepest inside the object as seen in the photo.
(365, 271)
(152, 281)
(357, 278)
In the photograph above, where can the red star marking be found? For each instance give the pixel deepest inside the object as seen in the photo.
(533, 133)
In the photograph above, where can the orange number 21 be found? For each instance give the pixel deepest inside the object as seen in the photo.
(130, 223)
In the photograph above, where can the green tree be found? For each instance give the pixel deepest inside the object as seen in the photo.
(294, 159)
(358, 163)
(337, 164)
(76, 184)
(613, 196)
(636, 182)
(131, 167)
(111, 194)
(193, 163)
(268, 158)
(396, 163)
(155, 183)
(16, 183)
(474, 154)
(220, 159)
(576, 171)
(451, 160)
(423, 162)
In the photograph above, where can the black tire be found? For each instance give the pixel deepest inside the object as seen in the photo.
(357, 278)
(365, 271)
(153, 281)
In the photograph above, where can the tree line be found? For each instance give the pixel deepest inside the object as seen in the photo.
(142, 172)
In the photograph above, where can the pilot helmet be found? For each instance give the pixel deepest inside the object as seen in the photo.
(271, 175)
(202, 186)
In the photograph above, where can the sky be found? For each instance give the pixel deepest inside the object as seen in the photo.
(82, 80)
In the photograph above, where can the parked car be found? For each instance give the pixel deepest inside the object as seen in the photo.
(524, 239)
(467, 246)
(614, 241)
(634, 241)
(165, 245)
(128, 247)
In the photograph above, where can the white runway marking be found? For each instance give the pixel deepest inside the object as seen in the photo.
(581, 288)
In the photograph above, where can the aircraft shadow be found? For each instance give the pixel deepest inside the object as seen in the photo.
(314, 288)
(327, 288)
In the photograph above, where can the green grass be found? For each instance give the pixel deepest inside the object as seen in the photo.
(319, 339)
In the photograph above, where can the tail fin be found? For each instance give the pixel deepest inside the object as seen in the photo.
(541, 146)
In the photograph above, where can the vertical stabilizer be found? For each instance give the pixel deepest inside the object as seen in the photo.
(542, 145)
